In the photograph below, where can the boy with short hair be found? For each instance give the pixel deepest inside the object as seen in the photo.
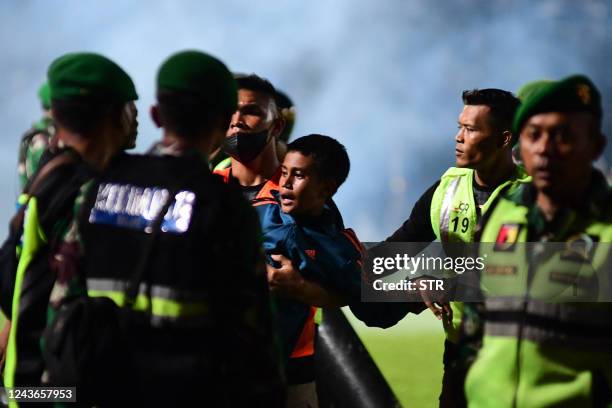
(306, 230)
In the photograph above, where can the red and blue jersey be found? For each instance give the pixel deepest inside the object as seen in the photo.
(323, 251)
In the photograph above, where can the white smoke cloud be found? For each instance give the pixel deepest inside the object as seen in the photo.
(385, 78)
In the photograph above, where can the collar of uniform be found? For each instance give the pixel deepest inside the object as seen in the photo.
(594, 205)
(174, 147)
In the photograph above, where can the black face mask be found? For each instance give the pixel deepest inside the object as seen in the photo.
(245, 147)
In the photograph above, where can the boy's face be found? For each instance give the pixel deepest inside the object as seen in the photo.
(302, 191)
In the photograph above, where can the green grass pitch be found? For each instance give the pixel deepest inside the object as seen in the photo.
(409, 355)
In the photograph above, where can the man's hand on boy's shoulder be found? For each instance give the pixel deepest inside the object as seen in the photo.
(286, 281)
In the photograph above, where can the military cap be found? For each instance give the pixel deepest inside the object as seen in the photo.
(89, 75)
(199, 74)
(44, 94)
(530, 87)
(572, 94)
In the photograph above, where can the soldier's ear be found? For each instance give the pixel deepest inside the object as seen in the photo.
(154, 111)
(278, 126)
(506, 138)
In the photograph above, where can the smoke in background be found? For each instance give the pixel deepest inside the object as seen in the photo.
(385, 78)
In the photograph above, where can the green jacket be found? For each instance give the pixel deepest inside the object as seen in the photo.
(547, 342)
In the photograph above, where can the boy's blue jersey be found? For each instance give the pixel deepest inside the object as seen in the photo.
(321, 249)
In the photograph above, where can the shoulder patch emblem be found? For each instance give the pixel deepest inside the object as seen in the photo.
(506, 237)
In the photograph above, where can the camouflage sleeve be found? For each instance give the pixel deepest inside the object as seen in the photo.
(67, 254)
(252, 356)
(30, 160)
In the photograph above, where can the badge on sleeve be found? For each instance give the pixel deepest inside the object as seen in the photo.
(507, 237)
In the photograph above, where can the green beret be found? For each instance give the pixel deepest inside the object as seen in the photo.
(530, 87)
(88, 75)
(572, 94)
(202, 75)
(44, 94)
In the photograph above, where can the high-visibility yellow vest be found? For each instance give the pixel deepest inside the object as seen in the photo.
(454, 217)
(542, 346)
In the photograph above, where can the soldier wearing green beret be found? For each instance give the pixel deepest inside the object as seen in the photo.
(31, 148)
(523, 92)
(35, 141)
(546, 341)
(200, 324)
(92, 103)
(217, 158)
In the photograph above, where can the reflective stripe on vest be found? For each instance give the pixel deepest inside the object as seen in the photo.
(445, 211)
(33, 239)
(453, 211)
(454, 217)
(550, 322)
(166, 304)
(223, 164)
(224, 173)
(524, 300)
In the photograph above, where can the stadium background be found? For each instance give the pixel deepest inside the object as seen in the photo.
(384, 78)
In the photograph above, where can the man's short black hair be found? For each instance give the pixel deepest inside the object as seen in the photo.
(329, 157)
(83, 115)
(256, 83)
(187, 115)
(503, 106)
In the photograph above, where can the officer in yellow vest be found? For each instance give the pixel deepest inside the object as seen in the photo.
(449, 210)
(547, 341)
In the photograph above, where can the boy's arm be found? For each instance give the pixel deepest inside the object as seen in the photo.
(286, 281)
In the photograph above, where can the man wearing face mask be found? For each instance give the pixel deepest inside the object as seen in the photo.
(250, 139)
(251, 142)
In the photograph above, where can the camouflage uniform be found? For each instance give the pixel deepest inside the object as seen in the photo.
(32, 146)
(67, 256)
